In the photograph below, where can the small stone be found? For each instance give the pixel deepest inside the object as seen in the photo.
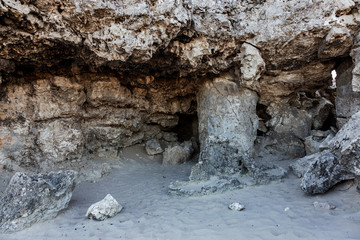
(236, 206)
(106, 208)
(324, 205)
(153, 147)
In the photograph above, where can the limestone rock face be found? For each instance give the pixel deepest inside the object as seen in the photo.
(35, 198)
(82, 79)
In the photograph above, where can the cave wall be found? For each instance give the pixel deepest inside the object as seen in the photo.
(81, 79)
(52, 121)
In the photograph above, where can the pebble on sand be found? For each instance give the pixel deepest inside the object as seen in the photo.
(236, 206)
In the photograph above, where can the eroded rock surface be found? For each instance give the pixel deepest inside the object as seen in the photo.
(35, 198)
(82, 79)
(341, 161)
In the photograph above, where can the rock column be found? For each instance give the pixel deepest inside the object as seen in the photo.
(227, 127)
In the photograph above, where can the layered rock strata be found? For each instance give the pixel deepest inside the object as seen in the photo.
(82, 79)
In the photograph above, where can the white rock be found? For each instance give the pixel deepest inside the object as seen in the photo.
(106, 208)
(324, 205)
(236, 206)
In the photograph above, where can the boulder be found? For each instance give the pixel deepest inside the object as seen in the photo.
(106, 208)
(340, 162)
(153, 147)
(178, 154)
(323, 172)
(35, 198)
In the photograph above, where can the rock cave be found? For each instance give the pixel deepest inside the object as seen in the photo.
(243, 88)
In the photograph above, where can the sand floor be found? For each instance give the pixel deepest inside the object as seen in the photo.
(140, 186)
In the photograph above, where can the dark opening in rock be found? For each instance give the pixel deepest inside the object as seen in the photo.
(187, 127)
(263, 118)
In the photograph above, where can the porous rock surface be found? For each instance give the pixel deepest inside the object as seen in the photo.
(81, 79)
(106, 208)
(340, 161)
(35, 198)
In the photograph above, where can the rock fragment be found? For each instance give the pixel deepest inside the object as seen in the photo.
(153, 147)
(106, 208)
(235, 206)
(178, 154)
(324, 205)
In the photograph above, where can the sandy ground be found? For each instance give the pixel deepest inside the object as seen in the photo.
(279, 210)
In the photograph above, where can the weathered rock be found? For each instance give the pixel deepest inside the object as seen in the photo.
(106, 208)
(177, 154)
(337, 43)
(35, 198)
(60, 141)
(124, 72)
(227, 133)
(153, 147)
(323, 173)
(346, 144)
(347, 101)
(301, 165)
(317, 141)
(324, 205)
(251, 66)
(213, 184)
(340, 162)
(289, 120)
(283, 145)
(235, 206)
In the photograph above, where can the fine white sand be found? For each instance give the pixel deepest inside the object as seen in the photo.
(140, 186)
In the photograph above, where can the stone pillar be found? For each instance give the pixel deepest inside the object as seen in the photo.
(347, 100)
(227, 128)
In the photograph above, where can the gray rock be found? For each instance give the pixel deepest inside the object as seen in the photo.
(106, 208)
(35, 198)
(301, 165)
(177, 154)
(323, 173)
(284, 146)
(153, 147)
(347, 100)
(318, 141)
(252, 65)
(324, 205)
(227, 133)
(212, 185)
(289, 120)
(311, 145)
(341, 161)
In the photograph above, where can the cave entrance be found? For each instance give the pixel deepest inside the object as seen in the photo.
(187, 127)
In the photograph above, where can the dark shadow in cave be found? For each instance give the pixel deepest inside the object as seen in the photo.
(187, 127)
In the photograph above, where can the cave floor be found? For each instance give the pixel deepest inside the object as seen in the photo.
(279, 210)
